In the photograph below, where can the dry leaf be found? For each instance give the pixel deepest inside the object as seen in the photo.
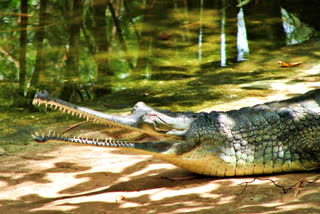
(288, 64)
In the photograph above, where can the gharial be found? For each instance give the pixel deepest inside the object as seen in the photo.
(275, 137)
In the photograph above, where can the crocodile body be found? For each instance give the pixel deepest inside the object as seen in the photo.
(275, 137)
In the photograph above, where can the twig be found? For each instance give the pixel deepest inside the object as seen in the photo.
(285, 190)
(10, 57)
(245, 187)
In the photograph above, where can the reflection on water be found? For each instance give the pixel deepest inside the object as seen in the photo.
(242, 41)
(296, 31)
(179, 55)
(201, 28)
(223, 60)
(85, 50)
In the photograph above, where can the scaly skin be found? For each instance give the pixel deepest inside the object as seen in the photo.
(274, 137)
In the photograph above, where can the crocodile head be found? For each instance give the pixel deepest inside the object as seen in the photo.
(167, 130)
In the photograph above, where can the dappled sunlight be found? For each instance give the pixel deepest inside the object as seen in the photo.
(272, 204)
(175, 55)
(119, 180)
(307, 207)
(203, 189)
(151, 169)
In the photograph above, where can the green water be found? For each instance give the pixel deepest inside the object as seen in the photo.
(179, 55)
